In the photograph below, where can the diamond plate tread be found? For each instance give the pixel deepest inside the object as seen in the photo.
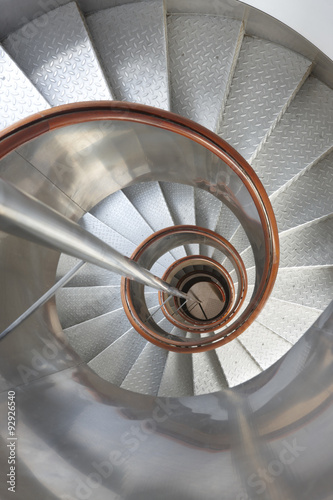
(202, 54)
(90, 338)
(149, 201)
(289, 320)
(308, 245)
(59, 58)
(226, 226)
(207, 213)
(240, 241)
(79, 304)
(238, 366)
(146, 373)
(89, 275)
(265, 346)
(266, 78)
(208, 375)
(307, 286)
(308, 198)
(180, 200)
(304, 134)
(114, 362)
(18, 97)
(131, 40)
(177, 379)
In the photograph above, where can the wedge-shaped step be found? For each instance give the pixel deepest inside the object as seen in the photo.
(289, 320)
(18, 97)
(208, 376)
(265, 346)
(237, 364)
(88, 339)
(114, 362)
(202, 54)
(308, 245)
(131, 41)
(307, 286)
(149, 200)
(146, 373)
(266, 78)
(177, 379)
(308, 197)
(89, 275)
(303, 135)
(58, 57)
(79, 304)
(207, 213)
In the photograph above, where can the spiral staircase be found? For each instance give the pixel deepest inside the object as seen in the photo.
(104, 409)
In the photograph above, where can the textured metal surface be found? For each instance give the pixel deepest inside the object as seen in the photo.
(58, 57)
(241, 242)
(304, 133)
(266, 78)
(308, 286)
(308, 197)
(90, 275)
(149, 201)
(289, 320)
(202, 53)
(208, 375)
(146, 373)
(93, 336)
(131, 40)
(79, 304)
(308, 245)
(177, 379)
(238, 366)
(265, 346)
(207, 213)
(18, 97)
(180, 200)
(116, 360)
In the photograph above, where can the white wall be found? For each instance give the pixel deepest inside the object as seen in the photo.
(311, 18)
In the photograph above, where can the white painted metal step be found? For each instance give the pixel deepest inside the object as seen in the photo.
(177, 378)
(202, 54)
(237, 364)
(207, 213)
(309, 197)
(303, 135)
(208, 375)
(266, 78)
(131, 40)
(18, 96)
(59, 58)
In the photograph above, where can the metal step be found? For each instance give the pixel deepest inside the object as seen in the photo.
(308, 245)
(303, 135)
(309, 197)
(18, 97)
(202, 54)
(266, 78)
(289, 320)
(131, 40)
(177, 378)
(146, 373)
(307, 286)
(114, 362)
(208, 376)
(237, 364)
(59, 57)
(265, 346)
(207, 213)
(88, 339)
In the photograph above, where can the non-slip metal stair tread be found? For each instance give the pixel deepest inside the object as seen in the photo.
(304, 134)
(238, 366)
(116, 360)
(207, 213)
(266, 78)
(308, 245)
(18, 96)
(202, 54)
(131, 40)
(146, 373)
(177, 378)
(308, 198)
(208, 375)
(59, 58)
(289, 320)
